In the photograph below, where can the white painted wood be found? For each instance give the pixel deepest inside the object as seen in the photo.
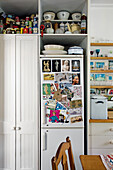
(7, 102)
(100, 151)
(101, 142)
(101, 129)
(26, 103)
(53, 138)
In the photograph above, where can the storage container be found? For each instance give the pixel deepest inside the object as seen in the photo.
(98, 109)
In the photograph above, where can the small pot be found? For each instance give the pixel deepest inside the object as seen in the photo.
(76, 16)
(63, 15)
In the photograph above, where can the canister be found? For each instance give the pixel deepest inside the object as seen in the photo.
(98, 107)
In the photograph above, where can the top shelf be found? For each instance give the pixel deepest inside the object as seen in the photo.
(101, 44)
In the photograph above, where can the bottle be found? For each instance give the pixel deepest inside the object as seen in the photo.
(83, 24)
(62, 26)
(1, 26)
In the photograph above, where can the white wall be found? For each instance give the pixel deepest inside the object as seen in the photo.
(101, 21)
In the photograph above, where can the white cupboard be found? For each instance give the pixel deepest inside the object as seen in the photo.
(18, 111)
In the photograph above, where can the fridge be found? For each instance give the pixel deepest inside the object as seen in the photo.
(62, 106)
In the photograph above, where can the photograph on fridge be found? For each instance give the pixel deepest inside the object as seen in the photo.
(65, 65)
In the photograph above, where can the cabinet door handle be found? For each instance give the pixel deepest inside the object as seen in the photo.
(111, 129)
(14, 128)
(18, 128)
(111, 141)
(44, 141)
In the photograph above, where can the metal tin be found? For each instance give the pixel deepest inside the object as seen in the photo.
(17, 31)
(25, 31)
(30, 24)
(13, 31)
(21, 30)
(30, 30)
(35, 30)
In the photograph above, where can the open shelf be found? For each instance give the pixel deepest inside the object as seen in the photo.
(64, 39)
(63, 56)
(101, 87)
(101, 71)
(101, 121)
(57, 20)
(101, 44)
(101, 58)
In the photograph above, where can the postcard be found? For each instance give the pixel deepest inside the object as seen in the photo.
(48, 76)
(46, 89)
(76, 119)
(63, 77)
(92, 65)
(54, 116)
(75, 65)
(65, 65)
(46, 65)
(56, 65)
(75, 104)
(77, 91)
(100, 77)
(92, 77)
(76, 79)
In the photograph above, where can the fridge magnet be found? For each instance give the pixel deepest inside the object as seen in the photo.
(48, 76)
(54, 116)
(91, 77)
(76, 79)
(65, 65)
(46, 89)
(100, 77)
(75, 104)
(56, 65)
(77, 91)
(75, 65)
(58, 95)
(46, 65)
(76, 119)
(63, 77)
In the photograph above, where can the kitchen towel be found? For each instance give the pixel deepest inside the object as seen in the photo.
(107, 161)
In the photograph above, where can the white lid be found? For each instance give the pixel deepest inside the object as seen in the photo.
(75, 47)
(93, 96)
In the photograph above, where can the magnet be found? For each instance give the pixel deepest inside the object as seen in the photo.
(56, 65)
(46, 65)
(48, 76)
(46, 89)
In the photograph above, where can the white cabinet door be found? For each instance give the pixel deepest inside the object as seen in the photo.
(26, 103)
(7, 102)
(51, 139)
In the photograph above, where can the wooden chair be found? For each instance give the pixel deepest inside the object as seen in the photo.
(61, 156)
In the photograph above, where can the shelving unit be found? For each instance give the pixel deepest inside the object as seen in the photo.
(101, 44)
(101, 58)
(101, 87)
(101, 71)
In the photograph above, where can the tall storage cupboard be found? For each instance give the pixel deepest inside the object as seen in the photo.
(18, 101)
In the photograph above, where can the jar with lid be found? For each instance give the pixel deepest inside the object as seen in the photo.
(83, 24)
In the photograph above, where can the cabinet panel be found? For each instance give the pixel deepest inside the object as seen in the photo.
(101, 129)
(7, 102)
(101, 142)
(100, 151)
(26, 102)
(51, 139)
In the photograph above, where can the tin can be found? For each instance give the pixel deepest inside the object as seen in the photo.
(35, 30)
(17, 31)
(25, 31)
(30, 24)
(27, 21)
(35, 23)
(17, 21)
(1, 26)
(21, 30)
(30, 30)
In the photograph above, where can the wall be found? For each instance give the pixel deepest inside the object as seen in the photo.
(101, 21)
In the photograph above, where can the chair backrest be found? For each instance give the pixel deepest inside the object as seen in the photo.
(61, 156)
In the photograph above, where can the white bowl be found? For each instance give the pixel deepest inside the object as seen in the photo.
(53, 47)
(76, 16)
(63, 15)
(50, 15)
(54, 52)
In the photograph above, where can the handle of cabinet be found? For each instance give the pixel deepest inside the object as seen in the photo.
(18, 128)
(44, 141)
(14, 128)
(111, 129)
(111, 141)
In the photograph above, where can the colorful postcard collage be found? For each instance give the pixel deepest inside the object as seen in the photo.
(62, 90)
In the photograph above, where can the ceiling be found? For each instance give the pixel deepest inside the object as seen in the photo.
(19, 7)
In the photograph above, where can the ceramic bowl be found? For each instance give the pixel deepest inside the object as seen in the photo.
(49, 30)
(76, 16)
(63, 15)
(49, 16)
(53, 47)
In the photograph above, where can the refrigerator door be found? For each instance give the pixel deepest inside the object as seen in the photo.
(52, 138)
(62, 92)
